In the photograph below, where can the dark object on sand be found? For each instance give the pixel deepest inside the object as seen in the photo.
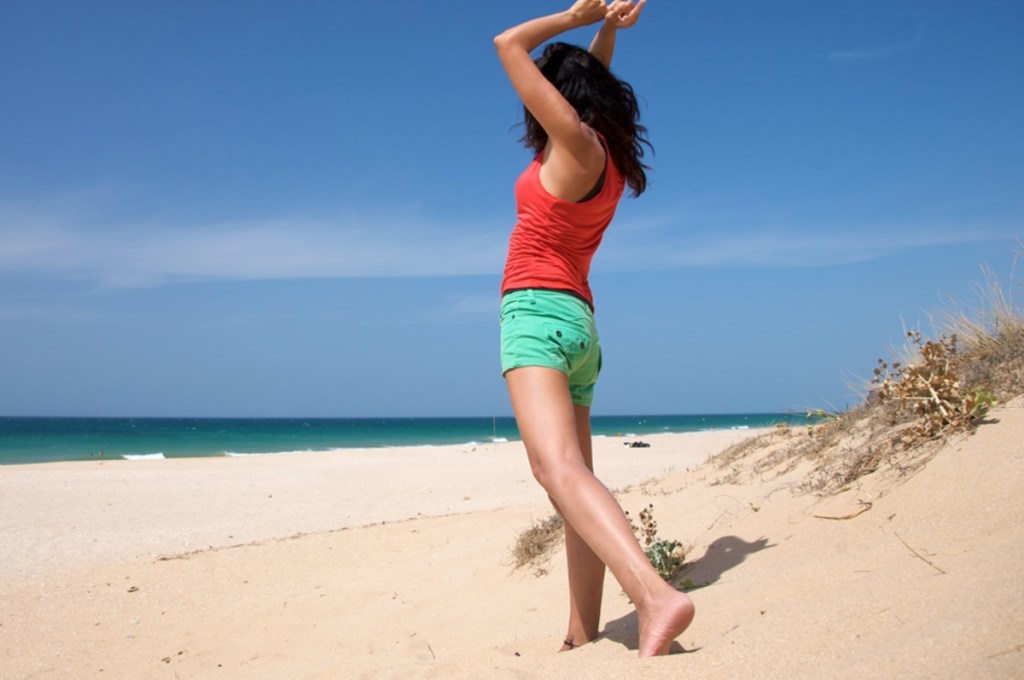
(637, 445)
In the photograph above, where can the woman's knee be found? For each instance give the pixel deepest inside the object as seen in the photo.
(555, 476)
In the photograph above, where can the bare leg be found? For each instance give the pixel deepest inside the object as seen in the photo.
(586, 570)
(547, 423)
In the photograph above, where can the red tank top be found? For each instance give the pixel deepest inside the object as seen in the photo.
(554, 240)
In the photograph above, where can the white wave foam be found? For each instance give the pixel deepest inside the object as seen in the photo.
(144, 456)
(243, 454)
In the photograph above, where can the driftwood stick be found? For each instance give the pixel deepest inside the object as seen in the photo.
(918, 555)
(866, 504)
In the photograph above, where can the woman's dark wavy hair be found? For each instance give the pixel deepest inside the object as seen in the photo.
(602, 101)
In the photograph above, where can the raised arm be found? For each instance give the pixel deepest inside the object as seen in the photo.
(620, 14)
(558, 118)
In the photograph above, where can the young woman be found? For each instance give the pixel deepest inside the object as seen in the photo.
(581, 121)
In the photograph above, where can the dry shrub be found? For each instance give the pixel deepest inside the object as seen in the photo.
(928, 393)
(946, 387)
(537, 542)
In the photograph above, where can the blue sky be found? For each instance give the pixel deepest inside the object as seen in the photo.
(273, 208)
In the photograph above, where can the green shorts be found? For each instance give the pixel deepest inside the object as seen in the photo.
(555, 330)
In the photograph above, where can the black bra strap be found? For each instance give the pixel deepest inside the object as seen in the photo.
(600, 180)
(597, 187)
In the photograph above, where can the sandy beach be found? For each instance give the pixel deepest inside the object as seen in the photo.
(397, 563)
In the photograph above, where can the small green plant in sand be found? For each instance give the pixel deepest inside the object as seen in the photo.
(929, 391)
(666, 556)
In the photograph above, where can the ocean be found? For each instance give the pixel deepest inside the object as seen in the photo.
(41, 440)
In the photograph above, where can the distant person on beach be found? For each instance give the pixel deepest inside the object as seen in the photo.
(582, 124)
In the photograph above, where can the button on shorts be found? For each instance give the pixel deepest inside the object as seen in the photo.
(555, 330)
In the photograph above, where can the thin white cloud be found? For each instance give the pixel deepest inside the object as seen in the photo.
(781, 247)
(131, 255)
(882, 51)
(73, 246)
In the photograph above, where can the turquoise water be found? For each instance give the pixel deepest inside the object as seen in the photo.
(39, 440)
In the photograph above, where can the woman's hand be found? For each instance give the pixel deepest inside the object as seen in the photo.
(623, 13)
(618, 14)
(587, 12)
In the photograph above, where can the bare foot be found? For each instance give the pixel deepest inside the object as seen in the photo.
(663, 621)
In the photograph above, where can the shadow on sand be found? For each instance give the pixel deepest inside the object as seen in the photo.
(721, 556)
